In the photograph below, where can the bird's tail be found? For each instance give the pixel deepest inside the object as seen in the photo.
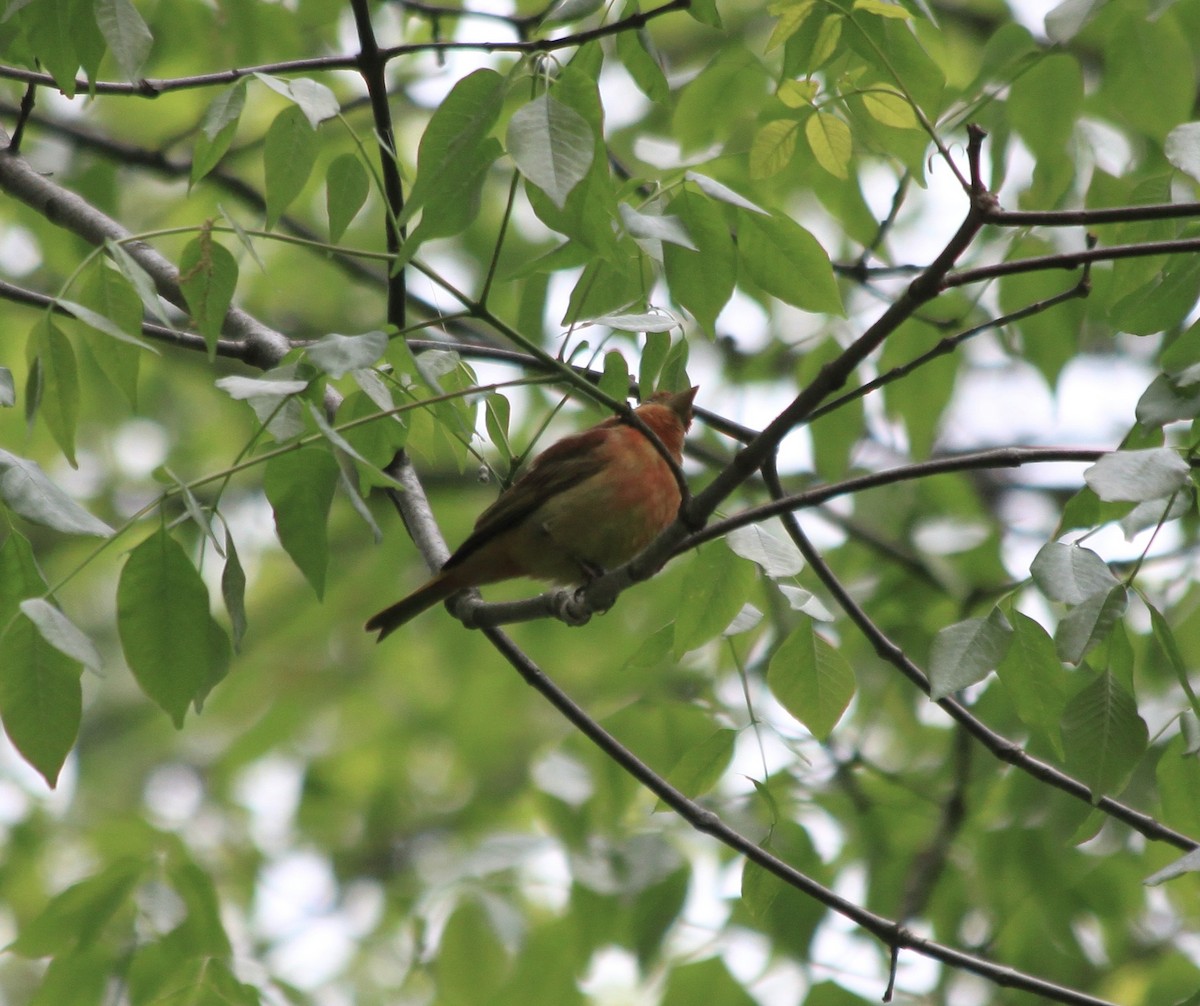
(390, 619)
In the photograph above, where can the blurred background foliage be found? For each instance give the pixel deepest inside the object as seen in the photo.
(411, 823)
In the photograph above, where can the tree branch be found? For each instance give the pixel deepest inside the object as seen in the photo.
(890, 933)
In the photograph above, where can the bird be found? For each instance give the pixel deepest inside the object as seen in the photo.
(587, 503)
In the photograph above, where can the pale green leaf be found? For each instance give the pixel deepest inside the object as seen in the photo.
(1070, 573)
(967, 652)
(552, 145)
(773, 147)
(766, 546)
(798, 93)
(1089, 623)
(829, 138)
(337, 355)
(890, 108)
(1149, 474)
(126, 33)
(25, 488)
(61, 633)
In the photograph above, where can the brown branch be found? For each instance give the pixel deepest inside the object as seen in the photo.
(158, 333)
(152, 87)
(372, 65)
(890, 933)
(1072, 260)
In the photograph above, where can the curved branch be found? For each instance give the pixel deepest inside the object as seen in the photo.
(890, 933)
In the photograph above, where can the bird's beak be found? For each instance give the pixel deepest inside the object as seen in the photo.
(681, 404)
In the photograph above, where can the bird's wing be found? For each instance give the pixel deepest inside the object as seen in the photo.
(558, 468)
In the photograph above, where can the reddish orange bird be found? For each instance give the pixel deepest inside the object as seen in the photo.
(587, 503)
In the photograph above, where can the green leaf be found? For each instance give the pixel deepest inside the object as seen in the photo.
(1165, 401)
(829, 138)
(27, 490)
(75, 979)
(337, 355)
(881, 8)
(811, 680)
(1149, 474)
(75, 917)
(233, 590)
(346, 188)
(289, 152)
(722, 193)
(1182, 148)
(798, 93)
(140, 280)
(471, 961)
(126, 33)
(967, 652)
(708, 981)
(299, 486)
(1103, 734)
(60, 383)
(701, 281)
(208, 275)
(1044, 103)
(713, 592)
(705, 11)
(1163, 302)
(451, 142)
(1170, 649)
(718, 97)
(890, 108)
(61, 633)
(773, 147)
(1070, 573)
(791, 17)
(615, 379)
(1155, 513)
(40, 696)
(315, 100)
(700, 767)
(177, 652)
(1089, 623)
(552, 145)
(649, 229)
(787, 262)
(1034, 678)
(48, 27)
(218, 129)
(634, 52)
(112, 296)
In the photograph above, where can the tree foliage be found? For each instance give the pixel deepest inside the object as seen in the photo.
(902, 704)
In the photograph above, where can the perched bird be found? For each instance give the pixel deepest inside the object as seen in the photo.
(587, 503)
